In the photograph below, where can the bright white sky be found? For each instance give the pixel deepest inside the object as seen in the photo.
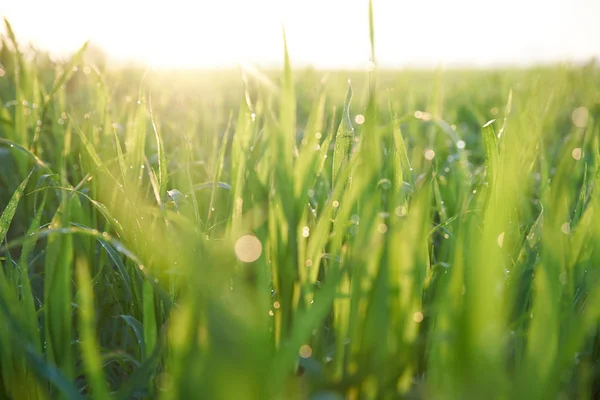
(322, 33)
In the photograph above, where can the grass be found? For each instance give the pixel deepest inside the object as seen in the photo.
(432, 236)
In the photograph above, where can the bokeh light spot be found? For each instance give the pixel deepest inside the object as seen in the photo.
(248, 248)
(580, 117)
(418, 316)
(305, 351)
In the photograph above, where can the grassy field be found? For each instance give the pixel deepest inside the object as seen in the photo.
(279, 235)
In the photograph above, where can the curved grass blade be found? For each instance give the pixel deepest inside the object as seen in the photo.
(343, 138)
(11, 208)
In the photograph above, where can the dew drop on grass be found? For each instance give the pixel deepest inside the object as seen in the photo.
(429, 154)
(382, 228)
(308, 263)
(576, 153)
(305, 231)
(276, 305)
(461, 144)
(271, 313)
(566, 228)
(336, 204)
(318, 135)
(359, 119)
(500, 240)
(401, 211)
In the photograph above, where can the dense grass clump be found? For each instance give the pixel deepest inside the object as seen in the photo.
(414, 235)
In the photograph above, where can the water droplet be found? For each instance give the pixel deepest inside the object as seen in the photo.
(336, 204)
(305, 231)
(401, 211)
(382, 228)
(566, 228)
(359, 119)
(318, 135)
(461, 144)
(500, 239)
(576, 153)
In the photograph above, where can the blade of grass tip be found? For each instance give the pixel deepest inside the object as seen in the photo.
(491, 154)
(9, 211)
(401, 162)
(162, 162)
(507, 111)
(63, 78)
(218, 169)
(343, 138)
(92, 360)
